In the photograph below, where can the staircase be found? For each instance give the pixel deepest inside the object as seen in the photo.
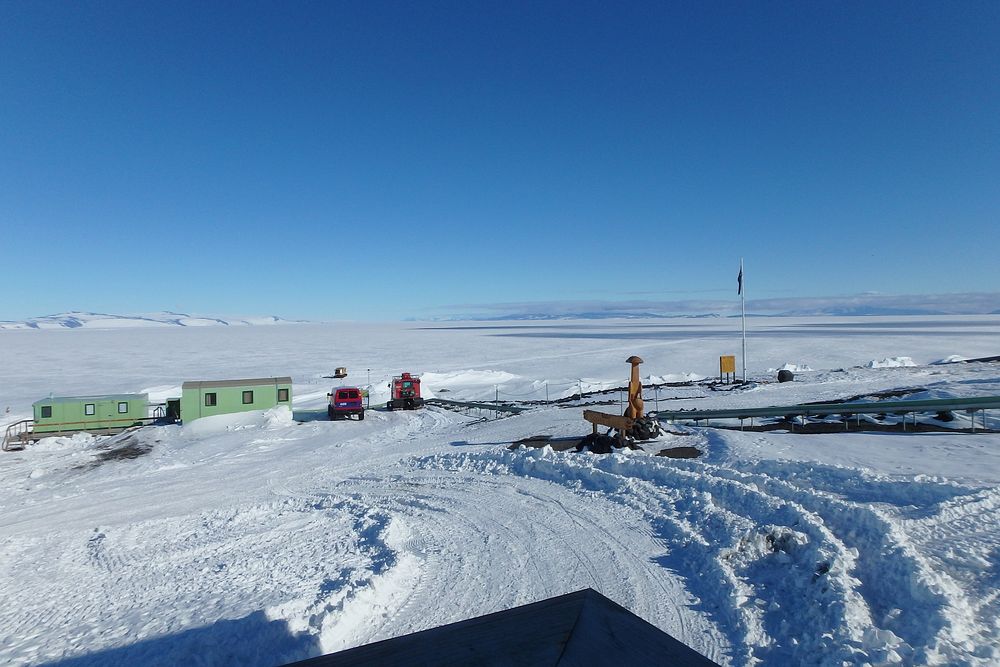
(17, 434)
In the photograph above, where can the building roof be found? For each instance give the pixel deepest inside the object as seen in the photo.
(582, 628)
(91, 399)
(207, 384)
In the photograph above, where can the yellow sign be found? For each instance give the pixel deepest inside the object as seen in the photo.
(727, 364)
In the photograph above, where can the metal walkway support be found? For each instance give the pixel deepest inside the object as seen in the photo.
(474, 405)
(822, 410)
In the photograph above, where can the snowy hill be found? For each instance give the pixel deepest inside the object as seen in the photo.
(81, 320)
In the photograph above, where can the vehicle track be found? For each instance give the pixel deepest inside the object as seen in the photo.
(772, 539)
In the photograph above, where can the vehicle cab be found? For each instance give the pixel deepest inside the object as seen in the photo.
(346, 402)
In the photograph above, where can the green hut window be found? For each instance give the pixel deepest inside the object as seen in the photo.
(210, 400)
(46, 411)
(123, 408)
(88, 409)
(282, 395)
(247, 397)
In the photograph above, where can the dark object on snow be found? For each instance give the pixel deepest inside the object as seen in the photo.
(785, 376)
(645, 428)
(599, 443)
(945, 416)
(680, 453)
(582, 628)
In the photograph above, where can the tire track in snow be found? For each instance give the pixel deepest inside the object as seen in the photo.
(771, 546)
(903, 592)
(957, 540)
(548, 540)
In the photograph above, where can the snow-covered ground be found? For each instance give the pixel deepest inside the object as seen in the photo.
(260, 538)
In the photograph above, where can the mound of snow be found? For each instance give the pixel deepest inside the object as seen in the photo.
(951, 359)
(673, 378)
(891, 362)
(77, 441)
(795, 368)
(254, 419)
(468, 377)
(467, 383)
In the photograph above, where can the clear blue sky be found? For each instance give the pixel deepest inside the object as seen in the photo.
(371, 160)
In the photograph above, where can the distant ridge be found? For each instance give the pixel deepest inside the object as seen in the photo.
(862, 311)
(858, 305)
(86, 320)
(609, 315)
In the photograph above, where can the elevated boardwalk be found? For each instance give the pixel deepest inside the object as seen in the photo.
(822, 410)
(475, 405)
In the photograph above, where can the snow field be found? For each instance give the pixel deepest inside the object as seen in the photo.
(259, 538)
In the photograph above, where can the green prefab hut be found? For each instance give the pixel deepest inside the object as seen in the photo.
(93, 414)
(220, 397)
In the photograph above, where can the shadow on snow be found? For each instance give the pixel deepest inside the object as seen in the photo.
(251, 640)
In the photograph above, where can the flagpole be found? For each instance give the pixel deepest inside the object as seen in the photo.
(743, 309)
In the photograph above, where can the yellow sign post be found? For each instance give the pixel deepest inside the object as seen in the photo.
(727, 368)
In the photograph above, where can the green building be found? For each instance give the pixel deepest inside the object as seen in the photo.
(220, 397)
(93, 414)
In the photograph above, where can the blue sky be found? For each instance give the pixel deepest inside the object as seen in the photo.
(388, 160)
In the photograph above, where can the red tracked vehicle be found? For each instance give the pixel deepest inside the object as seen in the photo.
(405, 393)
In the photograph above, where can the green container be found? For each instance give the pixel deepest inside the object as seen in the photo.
(89, 413)
(220, 397)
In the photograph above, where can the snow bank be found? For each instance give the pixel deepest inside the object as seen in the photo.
(474, 384)
(466, 378)
(795, 368)
(950, 359)
(672, 378)
(891, 362)
(254, 419)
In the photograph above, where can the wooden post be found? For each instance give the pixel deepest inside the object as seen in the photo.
(635, 405)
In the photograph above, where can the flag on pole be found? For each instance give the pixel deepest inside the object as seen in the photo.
(739, 280)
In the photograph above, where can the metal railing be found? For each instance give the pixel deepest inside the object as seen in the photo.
(22, 432)
(14, 436)
(822, 410)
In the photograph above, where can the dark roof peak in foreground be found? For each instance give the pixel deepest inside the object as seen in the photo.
(581, 628)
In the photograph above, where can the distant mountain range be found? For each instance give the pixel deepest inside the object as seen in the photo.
(541, 317)
(78, 320)
(857, 305)
(851, 311)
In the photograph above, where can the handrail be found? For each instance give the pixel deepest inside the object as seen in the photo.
(819, 409)
(14, 432)
(91, 422)
(477, 405)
